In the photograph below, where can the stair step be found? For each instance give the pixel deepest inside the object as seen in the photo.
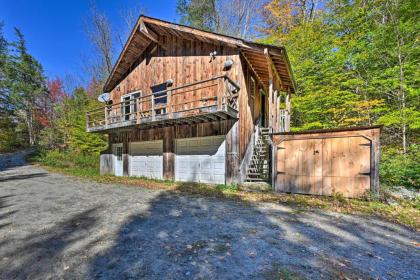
(257, 174)
(255, 180)
(259, 168)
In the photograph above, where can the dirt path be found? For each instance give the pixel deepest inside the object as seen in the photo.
(53, 226)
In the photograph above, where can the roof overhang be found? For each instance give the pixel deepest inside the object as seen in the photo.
(147, 33)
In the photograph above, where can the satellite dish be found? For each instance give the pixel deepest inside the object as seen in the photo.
(104, 97)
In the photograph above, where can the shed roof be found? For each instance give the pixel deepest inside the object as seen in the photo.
(329, 130)
(148, 29)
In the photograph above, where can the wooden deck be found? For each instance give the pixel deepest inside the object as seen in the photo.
(202, 101)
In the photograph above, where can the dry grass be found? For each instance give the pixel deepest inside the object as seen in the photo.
(407, 212)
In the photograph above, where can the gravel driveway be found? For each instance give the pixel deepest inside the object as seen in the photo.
(58, 227)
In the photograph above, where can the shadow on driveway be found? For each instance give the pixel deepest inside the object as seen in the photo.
(185, 237)
(23, 177)
(38, 255)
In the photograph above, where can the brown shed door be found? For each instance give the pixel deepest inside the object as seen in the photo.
(324, 166)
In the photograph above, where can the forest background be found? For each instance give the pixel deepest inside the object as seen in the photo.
(355, 63)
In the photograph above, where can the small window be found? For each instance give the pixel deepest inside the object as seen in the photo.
(119, 153)
(160, 98)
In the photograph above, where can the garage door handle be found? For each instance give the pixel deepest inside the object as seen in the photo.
(364, 173)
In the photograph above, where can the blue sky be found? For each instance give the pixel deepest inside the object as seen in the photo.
(54, 29)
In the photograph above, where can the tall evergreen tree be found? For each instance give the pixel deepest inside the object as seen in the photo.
(8, 139)
(199, 14)
(4, 96)
(26, 84)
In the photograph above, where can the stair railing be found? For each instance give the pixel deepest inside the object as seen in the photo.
(249, 152)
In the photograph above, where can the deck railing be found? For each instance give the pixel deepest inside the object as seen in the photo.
(216, 94)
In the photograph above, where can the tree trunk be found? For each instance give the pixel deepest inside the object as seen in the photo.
(29, 124)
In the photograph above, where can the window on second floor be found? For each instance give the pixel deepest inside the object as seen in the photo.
(160, 98)
(129, 105)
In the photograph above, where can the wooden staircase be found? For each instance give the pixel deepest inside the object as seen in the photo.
(259, 167)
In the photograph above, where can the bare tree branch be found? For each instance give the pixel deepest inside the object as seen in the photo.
(98, 30)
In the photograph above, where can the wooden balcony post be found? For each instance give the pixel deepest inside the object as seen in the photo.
(138, 110)
(153, 106)
(288, 111)
(169, 103)
(106, 116)
(278, 113)
(270, 103)
(220, 93)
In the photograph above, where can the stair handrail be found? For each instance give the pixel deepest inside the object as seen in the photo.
(249, 153)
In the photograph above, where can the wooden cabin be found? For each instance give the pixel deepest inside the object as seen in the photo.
(191, 105)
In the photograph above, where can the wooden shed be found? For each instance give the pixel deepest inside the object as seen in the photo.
(324, 162)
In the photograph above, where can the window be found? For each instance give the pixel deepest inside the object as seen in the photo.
(160, 98)
(129, 105)
(119, 153)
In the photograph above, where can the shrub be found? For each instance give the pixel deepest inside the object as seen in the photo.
(398, 169)
(87, 160)
(51, 158)
(55, 158)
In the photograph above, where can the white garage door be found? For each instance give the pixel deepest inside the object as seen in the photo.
(146, 159)
(200, 160)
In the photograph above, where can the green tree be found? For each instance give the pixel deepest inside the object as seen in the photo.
(378, 39)
(231, 17)
(72, 124)
(9, 139)
(4, 97)
(199, 14)
(355, 62)
(26, 83)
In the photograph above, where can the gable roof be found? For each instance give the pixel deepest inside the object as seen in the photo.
(148, 29)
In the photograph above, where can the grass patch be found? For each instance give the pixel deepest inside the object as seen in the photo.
(406, 212)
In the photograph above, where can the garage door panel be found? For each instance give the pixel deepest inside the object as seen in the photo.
(200, 159)
(147, 159)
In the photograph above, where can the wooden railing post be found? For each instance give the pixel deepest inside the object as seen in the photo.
(153, 106)
(169, 103)
(288, 111)
(106, 116)
(220, 94)
(138, 110)
(270, 102)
